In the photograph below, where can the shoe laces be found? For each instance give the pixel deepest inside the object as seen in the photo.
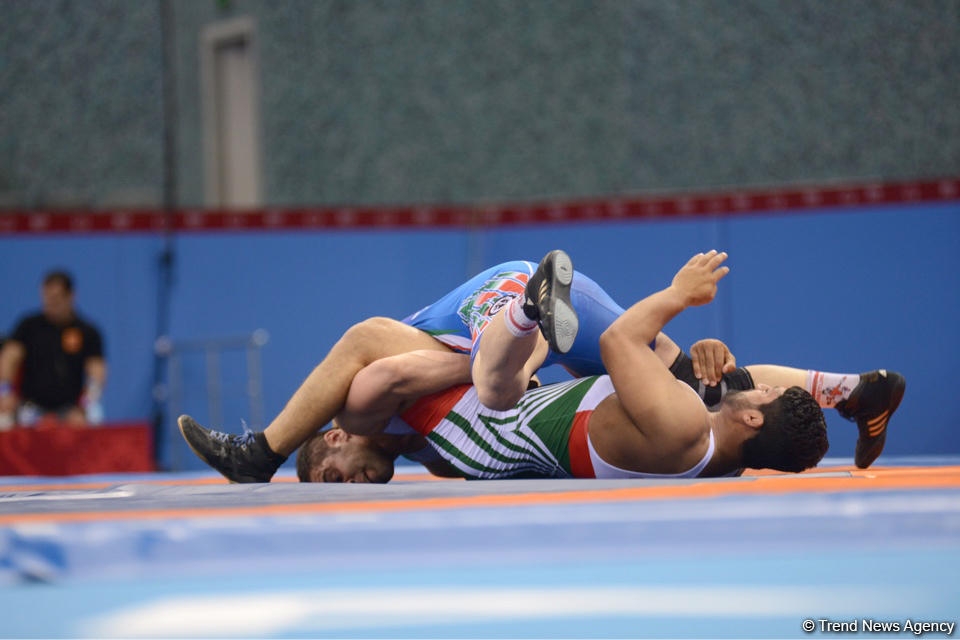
(244, 440)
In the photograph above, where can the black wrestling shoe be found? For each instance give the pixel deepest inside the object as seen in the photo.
(870, 405)
(548, 301)
(245, 458)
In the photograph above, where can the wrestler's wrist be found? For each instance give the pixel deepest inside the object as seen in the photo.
(678, 297)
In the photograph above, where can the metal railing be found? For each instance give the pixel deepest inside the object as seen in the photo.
(213, 349)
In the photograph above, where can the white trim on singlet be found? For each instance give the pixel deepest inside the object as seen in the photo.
(458, 343)
(602, 469)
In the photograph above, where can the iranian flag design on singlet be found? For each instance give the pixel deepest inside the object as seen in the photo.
(530, 440)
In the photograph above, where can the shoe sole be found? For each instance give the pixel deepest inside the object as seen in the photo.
(561, 318)
(875, 444)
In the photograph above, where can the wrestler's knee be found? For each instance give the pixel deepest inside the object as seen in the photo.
(380, 337)
(374, 327)
(370, 331)
(366, 338)
(499, 393)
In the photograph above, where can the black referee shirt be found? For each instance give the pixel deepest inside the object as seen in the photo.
(53, 371)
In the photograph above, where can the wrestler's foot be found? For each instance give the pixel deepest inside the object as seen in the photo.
(245, 458)
(871, 404)
(548, 301)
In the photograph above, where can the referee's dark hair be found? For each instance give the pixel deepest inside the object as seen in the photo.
(61, 276)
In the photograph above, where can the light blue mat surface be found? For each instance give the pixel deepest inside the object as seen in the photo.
(741, 565)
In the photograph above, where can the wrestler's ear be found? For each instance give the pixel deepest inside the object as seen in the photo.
(752, 418)
(335, 437)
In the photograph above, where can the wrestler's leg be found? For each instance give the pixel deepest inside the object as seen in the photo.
(509, 348)
(828, 389)
(869, 399)
(504, 362)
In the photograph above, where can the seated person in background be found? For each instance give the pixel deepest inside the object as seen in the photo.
(58, 358)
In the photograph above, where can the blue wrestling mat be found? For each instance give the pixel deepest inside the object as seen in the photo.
(191, 556)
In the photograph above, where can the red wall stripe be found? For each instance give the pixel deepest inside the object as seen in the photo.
(687, 205)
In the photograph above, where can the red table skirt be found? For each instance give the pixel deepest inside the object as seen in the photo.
(57, 450)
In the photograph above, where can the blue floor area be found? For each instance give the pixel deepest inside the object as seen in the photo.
(731, 566)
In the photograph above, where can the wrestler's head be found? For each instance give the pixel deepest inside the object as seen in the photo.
(791, 433)
(334, 455)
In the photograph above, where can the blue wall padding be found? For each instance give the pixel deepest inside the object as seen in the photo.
(838, 290)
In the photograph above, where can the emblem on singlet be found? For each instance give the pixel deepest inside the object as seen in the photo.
(485, 302)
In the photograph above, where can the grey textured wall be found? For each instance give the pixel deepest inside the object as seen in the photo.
(80, 102)
(465, 101)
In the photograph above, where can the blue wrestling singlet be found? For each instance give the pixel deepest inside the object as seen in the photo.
(459, 318)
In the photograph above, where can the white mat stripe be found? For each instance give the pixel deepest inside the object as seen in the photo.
(270, 613)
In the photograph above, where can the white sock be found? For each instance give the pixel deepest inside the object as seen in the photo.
(516, 320)
(828, 389)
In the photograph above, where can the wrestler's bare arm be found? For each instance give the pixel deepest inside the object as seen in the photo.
(386, 386)
(663, 411)
(322, 394)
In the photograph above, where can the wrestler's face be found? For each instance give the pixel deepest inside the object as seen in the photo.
(753, 398)
(353, 459)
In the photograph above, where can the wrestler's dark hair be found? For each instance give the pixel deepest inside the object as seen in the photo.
(793, 436)
(314, 449)
(61, 277)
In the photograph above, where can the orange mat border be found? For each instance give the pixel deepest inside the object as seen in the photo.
(411, 477)
(895, 478)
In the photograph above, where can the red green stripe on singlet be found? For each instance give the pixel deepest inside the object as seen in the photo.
(580, 463)
(426, 413)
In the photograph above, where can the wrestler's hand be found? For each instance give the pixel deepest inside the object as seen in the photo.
(697, 281)
(711, 359)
